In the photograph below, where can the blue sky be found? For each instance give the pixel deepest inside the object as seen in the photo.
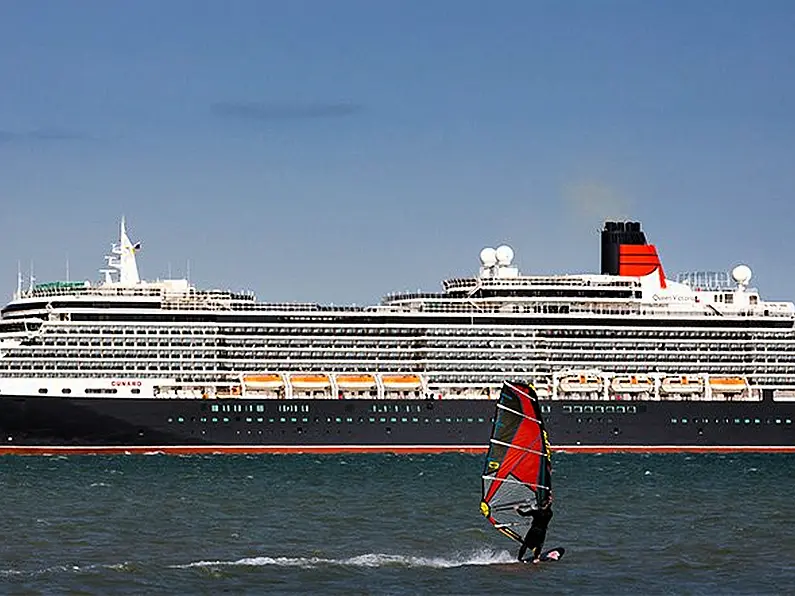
(337, 151)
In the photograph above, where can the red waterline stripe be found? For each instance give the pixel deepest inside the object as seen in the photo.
(243, 449)
(675, 449)
(401, 449)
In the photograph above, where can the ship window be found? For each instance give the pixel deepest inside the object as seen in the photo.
(684, 420)
(293, 419)
(42, 390)
(673, 420)
(778, 420)
(202, 419)
(632, 409)
(226, 419)
(136, 391)
(567, 409)
(180, 419)
(609, 409)
(260, 408)
(756, 420)
(737, 421)
(620, 409)
(578, 409)
(372, 419)
(215, 419)
(748, 421)
(789, 421)
(66, 390)
(214, 408)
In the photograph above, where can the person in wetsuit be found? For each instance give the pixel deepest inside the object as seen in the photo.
(534, 539)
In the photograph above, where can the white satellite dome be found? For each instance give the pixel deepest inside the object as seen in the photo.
(741, 274)
(504, 255)
(488, 256)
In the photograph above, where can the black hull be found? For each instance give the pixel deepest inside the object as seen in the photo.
(93, 425)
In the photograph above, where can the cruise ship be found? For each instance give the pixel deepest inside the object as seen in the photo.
(623, 360)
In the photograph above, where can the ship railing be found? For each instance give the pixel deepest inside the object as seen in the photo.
(535, 281)
(92, 291)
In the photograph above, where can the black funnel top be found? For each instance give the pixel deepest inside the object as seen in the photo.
(614, 234)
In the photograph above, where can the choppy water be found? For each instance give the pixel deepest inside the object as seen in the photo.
(380, 524)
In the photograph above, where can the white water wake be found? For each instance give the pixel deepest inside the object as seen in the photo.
(370, 560)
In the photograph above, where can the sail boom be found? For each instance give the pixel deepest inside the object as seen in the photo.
(530, 485)
(507, 409)
(534, 452)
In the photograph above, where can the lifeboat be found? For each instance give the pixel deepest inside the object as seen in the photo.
(543, 391)
(310, 381)
(263, 381)
(403, 382)
(355, 381)
(632, 384)
(727, 384)
(582, 383)
(682, 384)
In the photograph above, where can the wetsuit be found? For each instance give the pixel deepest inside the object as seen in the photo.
(534, 539)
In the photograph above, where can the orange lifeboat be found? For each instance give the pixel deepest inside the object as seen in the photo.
(401, 381)
(728, 384)
(683, 384)
(581, 383)
(266, 381)
(632, 384)
(310, 381)
(355, 381)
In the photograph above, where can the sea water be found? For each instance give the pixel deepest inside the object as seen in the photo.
(385, 524)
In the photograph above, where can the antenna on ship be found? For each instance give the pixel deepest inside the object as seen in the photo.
(32, 277)
(67, 267)
(19, 280)
(122, 259)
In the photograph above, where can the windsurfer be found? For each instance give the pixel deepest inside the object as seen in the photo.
(534, 539)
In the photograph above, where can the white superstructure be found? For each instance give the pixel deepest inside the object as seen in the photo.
(594, 336)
